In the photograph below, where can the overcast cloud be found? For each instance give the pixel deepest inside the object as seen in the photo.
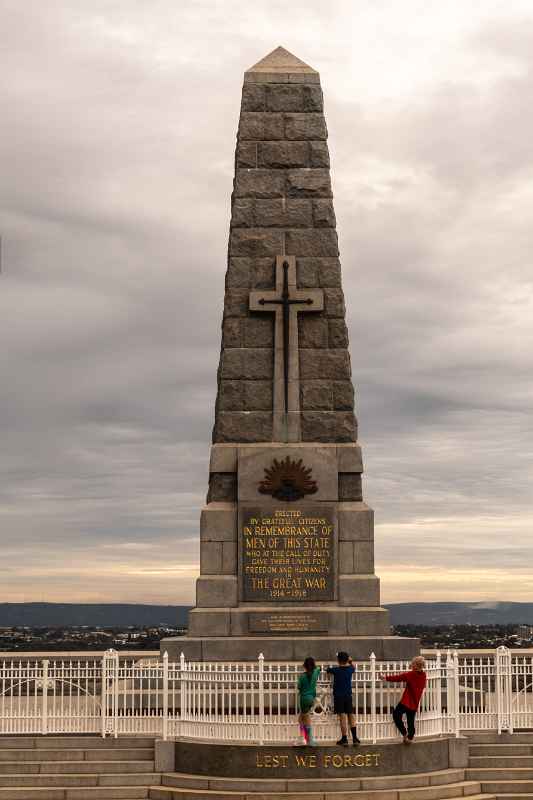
(118, 123)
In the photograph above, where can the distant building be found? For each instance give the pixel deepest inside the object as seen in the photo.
(525, 631)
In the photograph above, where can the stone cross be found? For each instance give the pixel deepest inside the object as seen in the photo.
(286, 302)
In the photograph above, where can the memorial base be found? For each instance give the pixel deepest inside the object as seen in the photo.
(284, 648)
(242, 771)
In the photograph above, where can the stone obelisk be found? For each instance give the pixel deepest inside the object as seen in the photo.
(287, 543)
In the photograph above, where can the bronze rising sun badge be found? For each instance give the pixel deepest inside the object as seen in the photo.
(288, 480)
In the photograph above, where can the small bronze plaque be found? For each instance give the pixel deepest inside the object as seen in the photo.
(288, 623)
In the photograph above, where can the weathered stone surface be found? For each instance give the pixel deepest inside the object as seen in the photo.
(262, 273)
(217, 591)
(363, 557)
(371, 622)
(314, 241)
(218, 522)
(306, 272)
(303, 126)
(224, 458)
(358, 590)
(243, 426)
(316, 395)
(222, 487)
(349, 458)
(255, 242)
(328, 426)
(312, 331)
(239, 274)
(307, 183)
(253, 97)
(229, 558)
(246, 155)
(263, 183)
(322, 364)
(350, 487)
(215, 622)
(323, 214)
(279, 212)
(232, 332)
(334, 303)
(356, 522)
(211, 558)
(264, 126)
(247, 364)
(346, 556)
(319, 154)
(282, 154)
(338, 334)
(329, 273)
(259, 331)
(257, 395)
(235, 303)
(343, 396)
(285, 98)
(313, 98)
(230, 396)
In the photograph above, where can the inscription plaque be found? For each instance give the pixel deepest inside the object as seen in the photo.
(287, 555)
(288, 623)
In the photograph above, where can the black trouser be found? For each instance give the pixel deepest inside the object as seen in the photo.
(397, 716)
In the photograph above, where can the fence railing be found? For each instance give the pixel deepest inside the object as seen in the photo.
(254, 701)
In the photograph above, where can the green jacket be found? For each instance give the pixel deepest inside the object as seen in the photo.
(307, 685)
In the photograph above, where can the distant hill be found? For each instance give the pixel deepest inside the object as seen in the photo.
(119, 614)
(461, 613)
(104, 614)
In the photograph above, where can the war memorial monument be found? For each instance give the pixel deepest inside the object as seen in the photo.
(287, 543)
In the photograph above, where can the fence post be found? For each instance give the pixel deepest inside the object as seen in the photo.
(110, 668)
(261, 660)
(165, 696)
(503, 689)
(44, 716)
(456, 694)
(373, 713)
(450, 695)
(438, 692)
(182, 693)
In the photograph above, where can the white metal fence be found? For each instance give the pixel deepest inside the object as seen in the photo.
(253, 701)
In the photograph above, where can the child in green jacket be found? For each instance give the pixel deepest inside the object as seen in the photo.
(306, 697)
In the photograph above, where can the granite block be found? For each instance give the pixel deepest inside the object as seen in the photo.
(263, 183)
(256, 242)
(260, 125)
(356, 522)
(358, 590)
(216, 591)
(304, 126)
(350, 484)
(349, 458)
(223, 458)
(218, 522)
(243, 426)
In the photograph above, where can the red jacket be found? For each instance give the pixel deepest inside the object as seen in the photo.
(415, 683)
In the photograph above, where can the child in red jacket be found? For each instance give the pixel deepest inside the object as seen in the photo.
(415, 683)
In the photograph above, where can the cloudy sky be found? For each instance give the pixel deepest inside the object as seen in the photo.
(117, 140)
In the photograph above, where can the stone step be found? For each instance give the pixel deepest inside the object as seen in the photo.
(501, 750)
(439, 778)
(92, 754)
(491, 737)
(505, 787)
(81, 779)
(77, 767)
(67, 767)
(76, 793)
(74, 742)
(496, 761)
(331, 790)
(499, 773)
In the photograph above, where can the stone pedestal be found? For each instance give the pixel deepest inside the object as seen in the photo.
(287, 578)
